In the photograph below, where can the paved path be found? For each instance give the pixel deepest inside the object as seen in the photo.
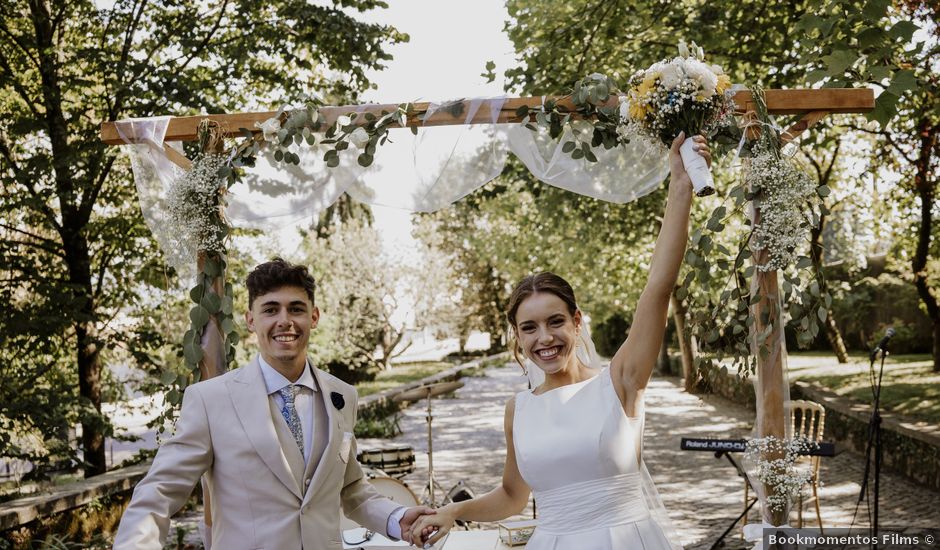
(701, 493)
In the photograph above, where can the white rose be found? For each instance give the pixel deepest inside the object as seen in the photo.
(670, 76)
(343, 120)
(359, 137)
(269, 128)
(683, 49)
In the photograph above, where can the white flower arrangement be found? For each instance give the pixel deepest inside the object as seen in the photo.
(192, 203)
(775, 461)
(789, 204)
(683, 94)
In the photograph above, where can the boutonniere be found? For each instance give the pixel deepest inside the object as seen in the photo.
(337, 399)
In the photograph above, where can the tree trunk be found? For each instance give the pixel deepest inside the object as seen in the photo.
(687, 345)
(925, 188)
(87, 355)
(77, 255)
(831, 329)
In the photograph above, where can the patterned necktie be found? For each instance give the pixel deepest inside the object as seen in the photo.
(289, 412)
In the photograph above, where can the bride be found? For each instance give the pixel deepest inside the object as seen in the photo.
(576, 439)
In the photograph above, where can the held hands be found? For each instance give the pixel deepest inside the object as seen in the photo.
(431, 528)
(676, 167)
(408, 520)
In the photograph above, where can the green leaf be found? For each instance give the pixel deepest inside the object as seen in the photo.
(195, 293)
(903, 30)
(193, 353)
(332, 162)
(228, 325)
(870, 37)
(822, 314)
(211, 267)
(886, 106)
(167, 377)
(212, 302)
(228, 305)
(901, 82)
(803, 262)
(568, 147)
(879, 72)
(875, 9)
(364, 159)
(839, 61)
(199, 316)
(822, 191)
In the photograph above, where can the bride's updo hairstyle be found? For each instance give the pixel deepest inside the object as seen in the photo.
(545, 281)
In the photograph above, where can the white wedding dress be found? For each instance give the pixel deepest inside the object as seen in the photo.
(582, 457)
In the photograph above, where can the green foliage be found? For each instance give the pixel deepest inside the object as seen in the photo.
(865, 308)
(516, 226)
(357, 285)
(78, 263)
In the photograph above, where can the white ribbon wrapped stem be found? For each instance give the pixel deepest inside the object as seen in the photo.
(695, 165)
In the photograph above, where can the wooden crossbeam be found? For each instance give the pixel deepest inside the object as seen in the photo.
(779, 102)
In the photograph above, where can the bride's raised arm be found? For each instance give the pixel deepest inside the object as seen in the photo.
(632, 365)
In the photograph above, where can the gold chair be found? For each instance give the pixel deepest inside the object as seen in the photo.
(807, 419)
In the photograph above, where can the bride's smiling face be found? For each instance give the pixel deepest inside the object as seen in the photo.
(547, 331)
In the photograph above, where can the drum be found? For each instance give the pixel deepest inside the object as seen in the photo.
(394, 490)
(387, 487)
(397, 461)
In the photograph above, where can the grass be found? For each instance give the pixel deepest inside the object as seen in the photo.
(401, 374)
(909, 386)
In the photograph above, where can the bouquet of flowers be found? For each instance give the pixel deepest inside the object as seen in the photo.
(683, 94)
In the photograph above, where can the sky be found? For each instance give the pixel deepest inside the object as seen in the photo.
(451, 41)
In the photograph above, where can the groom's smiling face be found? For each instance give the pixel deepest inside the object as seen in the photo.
(282, 320)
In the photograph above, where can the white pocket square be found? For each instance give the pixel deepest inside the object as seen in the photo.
(346, 447)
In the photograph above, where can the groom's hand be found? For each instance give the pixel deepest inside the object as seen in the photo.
(412, 514)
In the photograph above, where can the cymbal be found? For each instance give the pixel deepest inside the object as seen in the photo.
(428, 390)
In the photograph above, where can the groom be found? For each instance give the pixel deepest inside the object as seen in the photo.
(275, 438)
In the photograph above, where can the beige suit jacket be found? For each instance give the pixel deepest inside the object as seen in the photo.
(262, 496)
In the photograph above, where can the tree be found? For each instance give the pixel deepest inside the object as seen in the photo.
(74, 247)
(755, 42)
(866, 43)
(357, 287)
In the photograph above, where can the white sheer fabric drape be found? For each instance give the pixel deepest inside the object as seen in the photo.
(421, 173)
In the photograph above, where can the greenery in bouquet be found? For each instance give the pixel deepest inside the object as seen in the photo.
(683, 94)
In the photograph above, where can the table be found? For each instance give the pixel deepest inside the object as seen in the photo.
(456, 540)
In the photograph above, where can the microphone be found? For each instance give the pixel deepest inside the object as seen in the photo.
(882, 344)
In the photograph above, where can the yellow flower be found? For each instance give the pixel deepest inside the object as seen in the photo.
(637, 110)
(644, 88)
(724, 82)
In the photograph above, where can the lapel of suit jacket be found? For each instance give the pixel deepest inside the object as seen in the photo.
(328, 460)
(250, 399)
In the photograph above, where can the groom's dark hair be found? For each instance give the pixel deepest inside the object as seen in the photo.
(278, 273)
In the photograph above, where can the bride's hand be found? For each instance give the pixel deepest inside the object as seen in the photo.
(429, 529)
(676, 166)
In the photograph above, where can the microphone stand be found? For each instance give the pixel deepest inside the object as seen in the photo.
(874, 438)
